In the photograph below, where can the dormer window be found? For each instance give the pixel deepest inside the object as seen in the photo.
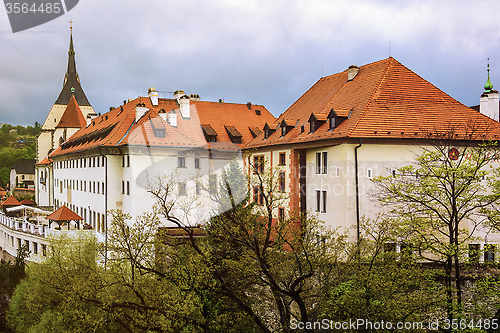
(210, 134)
(336, 117)
(268, 131)
(287, 125)
(158, 127)
(315, 121)
(233, 133)
(332, 122)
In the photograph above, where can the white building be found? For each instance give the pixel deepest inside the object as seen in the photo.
(358, 124)
(109, 163)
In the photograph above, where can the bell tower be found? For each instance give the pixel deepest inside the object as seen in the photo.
(46, 141)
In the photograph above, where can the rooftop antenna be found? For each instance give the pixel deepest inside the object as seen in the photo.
(71, 25)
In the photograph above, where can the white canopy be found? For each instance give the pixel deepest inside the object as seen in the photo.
(34, 209)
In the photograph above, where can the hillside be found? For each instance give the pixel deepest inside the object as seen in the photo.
(16, 142)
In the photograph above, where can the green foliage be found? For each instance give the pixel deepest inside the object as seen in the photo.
(382, 285)
(15, 145)
(438, 197)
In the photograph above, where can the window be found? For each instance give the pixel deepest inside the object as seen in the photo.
(390, 247)
(318, 200)
(258, 197)
(321, 201)
(321, 162)
(474, 252)
(123, 161)
(281, 214)
(282, 158)
(123, 187)
(406, 249)
(128, 187)
(182, 189)
(369, 173)
(98, 220)
(258, 164)
(98, 161)
(159, 133)
(283, 131)
(332, 123)
(196, 163)
(489, 253)
(181, 162)
(282, 181)
(325, 162)
(102, 184)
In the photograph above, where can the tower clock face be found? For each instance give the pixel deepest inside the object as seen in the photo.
(453, 154)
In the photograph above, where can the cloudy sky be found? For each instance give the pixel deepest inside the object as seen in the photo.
(263, 51)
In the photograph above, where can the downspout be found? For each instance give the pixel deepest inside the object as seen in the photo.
(105, 207)
(357, 186)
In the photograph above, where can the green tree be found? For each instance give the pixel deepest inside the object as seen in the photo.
(449, 193)
(378, 284)
(273, 269)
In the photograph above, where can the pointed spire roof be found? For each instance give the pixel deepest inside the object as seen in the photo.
(71, 80)
(72, 116)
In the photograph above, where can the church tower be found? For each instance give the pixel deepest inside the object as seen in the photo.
(50, 138)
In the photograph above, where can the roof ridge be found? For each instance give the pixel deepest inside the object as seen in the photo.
(389, 62)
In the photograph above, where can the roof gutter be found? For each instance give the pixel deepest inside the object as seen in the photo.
(357, 186)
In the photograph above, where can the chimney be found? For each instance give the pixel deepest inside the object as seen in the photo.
(249, 105)
(185, 106)
(178, 94)
(172, 118)
(352, 71)
(153, 95)
(163, 114)
(489, 103)
(140, 110)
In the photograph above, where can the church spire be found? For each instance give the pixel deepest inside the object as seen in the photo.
(71, 79)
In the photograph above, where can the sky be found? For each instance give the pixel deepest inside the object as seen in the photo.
(262, 51)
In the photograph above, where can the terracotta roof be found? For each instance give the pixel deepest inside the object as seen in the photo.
(11, 201)
(27, 202)
(72, 116)
(119, 127)
(387, 101)
(64, 214)
(46, 160)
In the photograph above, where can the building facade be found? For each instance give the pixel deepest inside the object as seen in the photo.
(362, 123)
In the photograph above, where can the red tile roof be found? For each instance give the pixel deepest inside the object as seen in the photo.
(11, 201)
(72, 116)
(118, 127)
(46, 160)
(64, 214)
(384, 100)
(27, 202)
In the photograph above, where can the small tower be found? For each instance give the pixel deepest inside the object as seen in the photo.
(489, 104)
(71, 87)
